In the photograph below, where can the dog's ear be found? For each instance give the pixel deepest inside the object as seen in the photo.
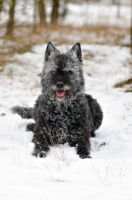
(51, 51)
(75, 52)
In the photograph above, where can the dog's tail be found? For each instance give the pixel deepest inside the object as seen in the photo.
(24, 112)
(96, 111)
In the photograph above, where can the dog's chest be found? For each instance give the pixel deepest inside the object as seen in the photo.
(61, 114)
(64, 121)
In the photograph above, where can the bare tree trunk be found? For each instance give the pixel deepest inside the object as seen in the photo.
(34, 16)
(55, 11)
(42, 15)
(10, 23)
(113, 1)
(131, 30)
(1, 5)
(63, 8)
(118, 8)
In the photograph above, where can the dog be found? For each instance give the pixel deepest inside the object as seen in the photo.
(63, 112)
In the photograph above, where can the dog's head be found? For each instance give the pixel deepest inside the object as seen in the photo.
(62, 76)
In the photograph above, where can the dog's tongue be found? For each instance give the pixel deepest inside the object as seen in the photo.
(60, 93)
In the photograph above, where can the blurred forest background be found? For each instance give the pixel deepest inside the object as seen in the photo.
(24, 23)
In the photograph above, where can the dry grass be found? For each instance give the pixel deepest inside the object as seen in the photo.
(123, 83)
(24, 37)
(129, 90)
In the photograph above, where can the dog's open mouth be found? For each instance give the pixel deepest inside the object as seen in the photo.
(60, 93)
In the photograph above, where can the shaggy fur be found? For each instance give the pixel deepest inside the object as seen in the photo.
(63, 112)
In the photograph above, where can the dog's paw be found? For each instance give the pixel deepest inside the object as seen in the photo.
(42, 154)
(30, 127)
(39, 154)
(83, 156)
(93, 134)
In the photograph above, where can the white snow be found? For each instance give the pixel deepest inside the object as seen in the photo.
(90, 13)
(62, 174)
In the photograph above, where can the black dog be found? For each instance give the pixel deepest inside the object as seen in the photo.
(63, 112)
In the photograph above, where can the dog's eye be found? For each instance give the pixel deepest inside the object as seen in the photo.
(70, 72)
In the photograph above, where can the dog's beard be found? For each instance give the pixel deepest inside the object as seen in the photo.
(65, 95)
(61, 94)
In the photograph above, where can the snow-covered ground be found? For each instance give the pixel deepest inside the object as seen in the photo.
(62, 174)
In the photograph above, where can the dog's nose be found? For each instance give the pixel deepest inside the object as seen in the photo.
(60, 85)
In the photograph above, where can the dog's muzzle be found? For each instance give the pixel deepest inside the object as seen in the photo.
(60, 92)
(60, 85)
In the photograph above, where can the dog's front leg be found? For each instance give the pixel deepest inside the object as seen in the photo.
(83, 149)
(40, 141)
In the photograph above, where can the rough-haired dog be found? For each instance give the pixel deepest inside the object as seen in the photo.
(63, 112)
